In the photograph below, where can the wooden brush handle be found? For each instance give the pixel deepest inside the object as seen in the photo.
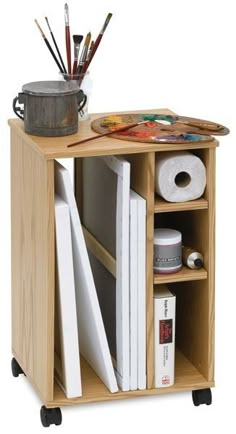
(68, 49)
(127, 127)
(59, 54)
(53, 54)
(93, 51)
(75, 67)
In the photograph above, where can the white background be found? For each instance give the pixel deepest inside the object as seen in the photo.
(176, 54)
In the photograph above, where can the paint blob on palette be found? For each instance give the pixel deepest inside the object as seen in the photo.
(159, 128)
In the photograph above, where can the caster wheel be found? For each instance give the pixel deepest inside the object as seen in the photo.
(50, 416)
(15, 368)
(202, 397)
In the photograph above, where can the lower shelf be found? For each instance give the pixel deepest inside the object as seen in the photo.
(187, 377)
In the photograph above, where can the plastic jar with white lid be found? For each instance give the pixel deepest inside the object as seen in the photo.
(167, 251)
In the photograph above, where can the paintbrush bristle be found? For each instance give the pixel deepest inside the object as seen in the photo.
(87, 39)
(77, 39)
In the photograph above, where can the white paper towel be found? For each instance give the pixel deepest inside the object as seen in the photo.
(180, 176)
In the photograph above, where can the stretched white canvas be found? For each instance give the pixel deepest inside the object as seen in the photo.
(92, 336)
(142, 364)
(106, 190)
(133, 279)
(141, 288)
(68, 371)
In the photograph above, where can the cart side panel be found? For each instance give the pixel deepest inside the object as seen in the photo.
(32, 215)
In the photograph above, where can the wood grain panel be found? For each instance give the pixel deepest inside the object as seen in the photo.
(211, 164)
(161, 205)
(185, 274)
(142, 181)
(32, 200)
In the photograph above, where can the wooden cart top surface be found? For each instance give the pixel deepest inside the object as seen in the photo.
(56, 147)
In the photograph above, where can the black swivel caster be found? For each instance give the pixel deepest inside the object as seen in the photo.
(202, 396)
(50, 416)
(15, 368)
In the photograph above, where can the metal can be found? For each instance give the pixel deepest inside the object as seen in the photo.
(167, 251)
(50, 107)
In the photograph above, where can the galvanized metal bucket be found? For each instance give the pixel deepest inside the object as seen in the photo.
(50, 107)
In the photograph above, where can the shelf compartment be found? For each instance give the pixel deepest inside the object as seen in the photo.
(161, 205)
(187, 377)
(184, 275)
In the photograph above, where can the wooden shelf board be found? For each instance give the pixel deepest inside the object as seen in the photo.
(187, 377)
(184, 275)
(161, 205)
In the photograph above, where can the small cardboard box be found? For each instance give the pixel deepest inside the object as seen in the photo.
(164, 336)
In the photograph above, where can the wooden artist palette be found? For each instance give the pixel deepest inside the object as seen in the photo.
(159, 128)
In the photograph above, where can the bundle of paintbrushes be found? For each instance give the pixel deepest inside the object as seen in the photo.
(82, 61)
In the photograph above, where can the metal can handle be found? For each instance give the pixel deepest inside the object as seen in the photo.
(18, 110)
(81, 102)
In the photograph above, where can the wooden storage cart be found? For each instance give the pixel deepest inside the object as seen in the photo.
(33, 265)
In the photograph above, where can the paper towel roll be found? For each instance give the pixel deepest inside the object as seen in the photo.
(180, 176)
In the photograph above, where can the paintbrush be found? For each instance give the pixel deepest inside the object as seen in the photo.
(56, 46)
(90, 50)
(109, 133)
(67, 31)
(95, 45)
(49, 47)
(77, 41)
(84, 53)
